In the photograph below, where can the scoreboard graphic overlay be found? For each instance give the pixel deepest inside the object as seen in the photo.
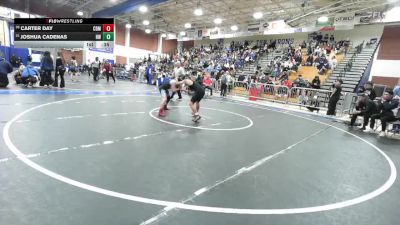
(64, 32)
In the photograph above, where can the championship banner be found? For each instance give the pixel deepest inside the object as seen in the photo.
(171, 36)
(344, 21)
(369, 17)
(217, 33)
(277, 27)
(254, 27)
(199, 34)
(206, 32)
(191, 35)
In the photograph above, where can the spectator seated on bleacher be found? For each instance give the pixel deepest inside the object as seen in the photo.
(309, 60)
(283, 76)
(333, 63)
(322, 65)
(385, 112)
(303, 44)
(277, 70)
(325, 40)
(241, 77)
(316, 83)
(263, 79)
(329, 49)
(267, 70)
(287, 83)
(299, 81)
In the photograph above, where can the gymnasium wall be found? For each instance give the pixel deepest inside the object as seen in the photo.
(169, 45)
(390, 44)
(139, 39)
(120, 60)
(385, 67)
(119, 35)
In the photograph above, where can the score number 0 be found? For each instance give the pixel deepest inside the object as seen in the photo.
(108, 27)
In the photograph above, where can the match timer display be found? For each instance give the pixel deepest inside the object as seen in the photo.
(77, 32)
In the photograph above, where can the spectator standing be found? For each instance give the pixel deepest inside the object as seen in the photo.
(46, 67)
(142, 70)
(89, 67)
(72, 69)
(207, 82)
(96, 68)
(60, 71)
(334, 98)
(150, 73)
(179, 73)
(5, 69)
(108, 70)
(224, 84)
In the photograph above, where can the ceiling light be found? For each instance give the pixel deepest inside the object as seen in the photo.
(182, 33)
(188, 25)
(234, 28)
(392, 1)
(257, 15)
(218, 21)
(323, 19)
(128, 25)
(80, 13)
(146, 22)
(148, 31)
(163, 35)
(113, 1)
(198, 12)
(143, 8)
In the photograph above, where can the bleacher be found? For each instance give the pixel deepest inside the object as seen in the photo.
(265, 59)
(351, 69)
(309, 72)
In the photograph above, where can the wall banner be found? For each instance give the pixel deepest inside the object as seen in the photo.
(344, 19)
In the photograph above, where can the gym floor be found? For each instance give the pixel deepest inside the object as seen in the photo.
(99, 154)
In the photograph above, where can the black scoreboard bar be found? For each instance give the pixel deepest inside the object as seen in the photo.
(64, 29)
(58, 36)
(45, 21)
(28, 28)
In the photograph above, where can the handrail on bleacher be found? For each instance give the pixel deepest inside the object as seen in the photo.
(349, 64)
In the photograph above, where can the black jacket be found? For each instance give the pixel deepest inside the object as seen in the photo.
(386, 107)
(369, 107)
